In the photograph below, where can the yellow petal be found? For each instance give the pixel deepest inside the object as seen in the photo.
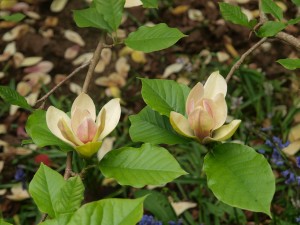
(224, 132)
(106, 147)
(53, 116)
(113, 114)
(132, 3)
(88, 149)
(194, 97)
(201, 122)
(292, 149)
(77, 118)
(214, 85)
(181, 125)
(84, 102)
(294, 133)
(67, 132)
(219, 109)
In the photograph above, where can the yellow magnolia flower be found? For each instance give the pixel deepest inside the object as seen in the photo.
(206, 110)
(84, 131)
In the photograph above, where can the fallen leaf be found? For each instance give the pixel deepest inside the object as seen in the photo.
(32, 15)
(15, 33)
(105, 147)
(109, 182)
(41, 67)
(22, 151)
(206, 55)
(1, 166)
(59, 78)
(125, 51)
(20, 7)
(2, 192)
(292, 149)
(195, 15)
(74, 37)
(36, 80)
(138, 57)
(113, 91)
(51, 21)
(100, 67)
(294, 133)
(171, 69)
(181, 9)
(75, 88)
(10, 49)
(222, 56)
(84, 58)
(32, 98)
(23, 88)
(30, 61)
(18, 58)
(183, 80)
(18, 193)
(132, 3)
(180, 207)
(106, 55)
(72, 52)
(122, 67)
(58, 5)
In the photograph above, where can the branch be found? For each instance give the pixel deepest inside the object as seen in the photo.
(290, 39)
(241, 60)
(62, 82)
(68, 169)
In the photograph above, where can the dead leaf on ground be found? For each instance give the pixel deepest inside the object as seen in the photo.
(58, 5)
(84, 58)
(72, 52)
(75, 88)
(1, 166)
(30, 61)
(195, 15)
(15, 33)
(180, 207)
(18, 193)
(74, 37)
(171, 69)
(41, 67)
(181, 9)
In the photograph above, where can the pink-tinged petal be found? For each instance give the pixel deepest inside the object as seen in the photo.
(88, 149)
(218, 107)
(181, 125)
(214, 85)
(201, 122)
(112, 117)
(84, 102)
(225, 132)
(53, 116)
(77, 118)
(67, 132)
(194, 98)
(86, 130)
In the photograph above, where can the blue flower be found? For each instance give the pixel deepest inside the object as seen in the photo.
(20, 174)
(149, 220)
(298, 161)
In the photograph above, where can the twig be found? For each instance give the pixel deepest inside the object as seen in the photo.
(94, 61)
(241, 60)
(62, 82)
(68, 170)
(290, 39)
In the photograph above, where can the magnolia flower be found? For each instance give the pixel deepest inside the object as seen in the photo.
(206, 110)
(84, 131)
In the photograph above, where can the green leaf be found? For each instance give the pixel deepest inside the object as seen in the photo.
(16, 17)
(158, 204)
(233, 14)
(37, 129)
(62, 219)
(150, 39)
(290, 64)
(165, 96)
(70, 196)
(2, 222)
(44, 188)
(240, 177)
(111, 10)
(90, 18)
(149, 126)
(137, 167)
(109, 211)
(293, 21)
(268, 6)
(150, 3)
(270, 28)
(13, 97)
(296, 2)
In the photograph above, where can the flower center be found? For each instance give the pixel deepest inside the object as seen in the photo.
(86, 130)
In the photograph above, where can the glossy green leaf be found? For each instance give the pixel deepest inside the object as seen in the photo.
(2, 222)
(44, 188)
(270, 28)
(37, 129)
(111, 10)
(290, 64)
(155, 38)
(90, 18)
(293, 21)
(149, 126)
(240, 177)
(165, 96)
(233, 14)
(158, 204)
(137, 167)
(269, 6)
(150, 3)
(70, 196)
(16, 17)
(109, 212)
(13, 97)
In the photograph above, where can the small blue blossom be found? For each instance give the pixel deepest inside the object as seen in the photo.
(20, 174)
(261, 151)
(285, 173)
(298, 180)
(279, 142)
(179, 222)
(149, 220)
(298, 161)
(276, 157)
(269, 143)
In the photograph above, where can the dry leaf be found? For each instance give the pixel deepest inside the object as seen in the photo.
(180, 207)
(232, 50)
(132, 3)
(32, 15)
(49, 33)
(281, 5)
(18, 193)
(9, 50)
(74, 37)
(32, 98)
(222, 56)
(125, 51)
(105, 147)
(58, 5)
(20, 7)
(84, 58)
(36, 80)
(42, 67)
(248, 13)
(30, 61)
(51, 21)
(106, 55)
(1, 166)
(206, 55)
(100, 67)
(180, 9)
(75, 88)
(292, 149)
(2, 192)
(59, 78)
(2, 74)
(122, 67)
(72, 52)
(294, 133)
(18, 59)
(109, 182)
(16, 32)
(113, 91)
(195, 15)
(23, 88)
(173, 68)
(13, 109)
(138, 57)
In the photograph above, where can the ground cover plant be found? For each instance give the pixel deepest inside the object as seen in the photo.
(213, 140)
